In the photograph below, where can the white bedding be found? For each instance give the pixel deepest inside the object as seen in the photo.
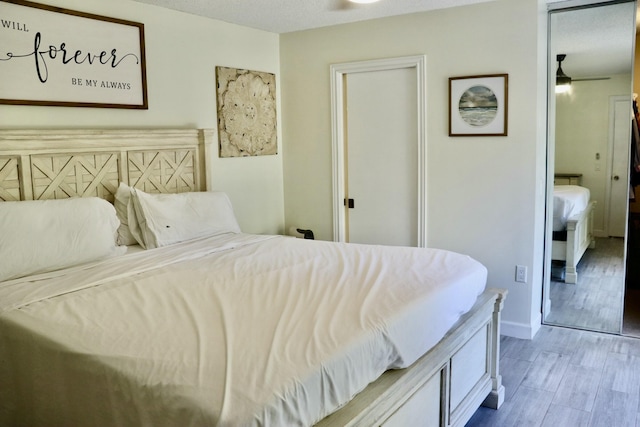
(568, 200)
(230, 330)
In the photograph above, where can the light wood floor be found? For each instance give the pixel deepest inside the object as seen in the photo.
(596, 301)
(567, 377)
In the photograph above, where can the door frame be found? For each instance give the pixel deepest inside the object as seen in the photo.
(550, 151)
(339, 73)
(610, 157)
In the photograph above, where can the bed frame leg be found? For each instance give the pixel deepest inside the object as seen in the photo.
(496, 397)
(571, 275)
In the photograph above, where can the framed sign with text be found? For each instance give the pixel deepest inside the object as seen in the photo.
(59, 57)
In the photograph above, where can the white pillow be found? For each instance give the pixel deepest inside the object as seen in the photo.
(45, 235)
(165, 219)
(123, 206)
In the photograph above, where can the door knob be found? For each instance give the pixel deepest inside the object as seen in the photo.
(616, 177)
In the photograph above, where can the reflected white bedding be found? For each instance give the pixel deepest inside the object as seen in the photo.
(232, 330)
(568, 200)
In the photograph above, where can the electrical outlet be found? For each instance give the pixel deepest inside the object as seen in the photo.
(521, 273)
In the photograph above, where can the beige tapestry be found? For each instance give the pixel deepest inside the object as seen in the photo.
(247, 122)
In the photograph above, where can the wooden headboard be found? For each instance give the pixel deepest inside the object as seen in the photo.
(56, 164)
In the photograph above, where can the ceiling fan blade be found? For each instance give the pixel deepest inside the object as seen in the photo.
(589, 79)
(561, 57)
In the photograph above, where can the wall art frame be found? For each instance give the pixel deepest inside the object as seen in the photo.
(478, 105)
(247, 114)
(51, 56)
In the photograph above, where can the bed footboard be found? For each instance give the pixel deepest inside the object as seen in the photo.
(445, 386)
(579, 238)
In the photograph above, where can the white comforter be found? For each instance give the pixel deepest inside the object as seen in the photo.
(568, 200)
(233, 330)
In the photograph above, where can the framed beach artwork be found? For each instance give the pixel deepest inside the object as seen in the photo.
(478, 105)
(53, 56)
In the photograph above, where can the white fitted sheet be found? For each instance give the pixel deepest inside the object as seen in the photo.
(231, 330)
(568, 200)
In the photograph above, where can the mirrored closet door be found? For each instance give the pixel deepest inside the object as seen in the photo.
(590, 140)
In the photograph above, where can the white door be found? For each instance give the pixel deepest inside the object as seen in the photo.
(381, 162)
(618, 186)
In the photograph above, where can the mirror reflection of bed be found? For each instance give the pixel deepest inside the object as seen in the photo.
(573, 212)
(586, 271)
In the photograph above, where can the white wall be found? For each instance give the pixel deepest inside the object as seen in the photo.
(182, 52)
(580, 134)
(485, 194)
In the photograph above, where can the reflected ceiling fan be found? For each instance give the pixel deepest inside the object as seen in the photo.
(563, 82)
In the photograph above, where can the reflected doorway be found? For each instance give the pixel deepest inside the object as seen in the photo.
(589, 148)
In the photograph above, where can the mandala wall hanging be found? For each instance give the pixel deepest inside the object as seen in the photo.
(247, 119)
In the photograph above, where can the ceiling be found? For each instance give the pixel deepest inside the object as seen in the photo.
(598, 41)
(283, 16)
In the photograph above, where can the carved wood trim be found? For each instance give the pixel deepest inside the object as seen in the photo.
(74, 175)
(51, 164)
(167, 171)
(10, 188)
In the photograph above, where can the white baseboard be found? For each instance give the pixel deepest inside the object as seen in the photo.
(521, 330)
(547, 305)
(599, 233)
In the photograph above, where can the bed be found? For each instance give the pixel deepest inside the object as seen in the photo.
(189, 321)
(572, 227)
